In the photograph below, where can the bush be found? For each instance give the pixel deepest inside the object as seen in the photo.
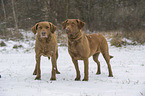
(17, 46)
(137, 36)
(10, 34)
(116, 40)
(123, 39)
(2, 44)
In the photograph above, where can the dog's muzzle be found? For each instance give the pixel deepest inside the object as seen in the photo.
(43, 34)
(67, 30)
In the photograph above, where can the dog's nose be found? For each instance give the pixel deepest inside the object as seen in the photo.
(67, 30)
(43, 33)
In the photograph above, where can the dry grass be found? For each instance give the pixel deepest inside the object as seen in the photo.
(138, 36)
(11, 35)
(116, 40)
(2, 43)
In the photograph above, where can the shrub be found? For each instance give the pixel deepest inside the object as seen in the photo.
(116, 40)
(2, 44)
(17, 46)
(138, 36)
(10, 34)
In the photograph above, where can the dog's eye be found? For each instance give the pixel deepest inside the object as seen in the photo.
(40, 27)
(47, 27)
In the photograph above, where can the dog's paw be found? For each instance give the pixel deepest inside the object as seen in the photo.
(38, 78)
(98, 73)
(77, 79)
(110, 76)
(57, 72)
(52, 79)
(34, 73)
(85, 79)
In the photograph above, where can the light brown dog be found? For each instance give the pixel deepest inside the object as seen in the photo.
(82, 46)
(46, 45)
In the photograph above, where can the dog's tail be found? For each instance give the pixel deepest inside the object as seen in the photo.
(111, 57)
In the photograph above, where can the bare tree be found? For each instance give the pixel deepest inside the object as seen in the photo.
(46, 9)
(67, 5)
(14, 14)
(5, 18)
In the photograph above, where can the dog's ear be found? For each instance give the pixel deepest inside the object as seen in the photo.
(64, 24)
(34, 28)
(52, 27)
(80, 23)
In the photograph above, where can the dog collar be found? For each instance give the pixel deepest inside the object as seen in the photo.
(76, 39)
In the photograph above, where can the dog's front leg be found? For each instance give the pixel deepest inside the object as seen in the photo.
(53, 74)
(38, 71)
(35, 71)
(77, 69)
(86, 71)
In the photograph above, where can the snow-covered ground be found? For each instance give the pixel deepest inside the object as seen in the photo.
(17, 66)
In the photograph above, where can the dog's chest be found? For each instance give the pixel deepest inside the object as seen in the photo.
(72, 47)
(74, 52)
(46, 51)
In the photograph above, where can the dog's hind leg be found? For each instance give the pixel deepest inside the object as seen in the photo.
(107, 59)
(95, 58)
(105, 52)
(57, 72)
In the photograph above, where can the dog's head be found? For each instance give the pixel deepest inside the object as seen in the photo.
(72, 27)
(43, 29)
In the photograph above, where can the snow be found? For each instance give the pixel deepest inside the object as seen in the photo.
(17, 66)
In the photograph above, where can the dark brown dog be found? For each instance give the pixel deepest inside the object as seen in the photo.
(46, 45)
(82, 46)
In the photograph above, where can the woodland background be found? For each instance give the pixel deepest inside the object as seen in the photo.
(126, 16)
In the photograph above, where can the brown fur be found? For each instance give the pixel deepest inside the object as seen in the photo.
(82, 46)
(46, 45)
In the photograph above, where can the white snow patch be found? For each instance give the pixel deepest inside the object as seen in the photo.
(16, 68)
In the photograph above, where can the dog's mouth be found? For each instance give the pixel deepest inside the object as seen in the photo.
(70, 33)
(71, 36)
(44, 36)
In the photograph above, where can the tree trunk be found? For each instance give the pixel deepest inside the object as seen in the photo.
(46, 9)
(67, 5)
(14, 14)
(88, 11)
(5, 17)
